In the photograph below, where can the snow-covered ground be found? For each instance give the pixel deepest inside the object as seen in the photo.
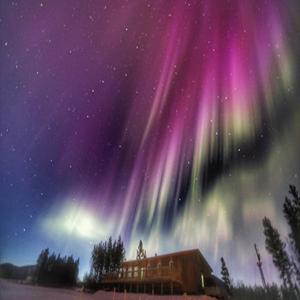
(14, 291)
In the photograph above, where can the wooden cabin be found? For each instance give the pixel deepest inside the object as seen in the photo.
(173, 273)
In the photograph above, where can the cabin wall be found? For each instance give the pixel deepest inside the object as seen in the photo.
(174, 272)
(190, 274)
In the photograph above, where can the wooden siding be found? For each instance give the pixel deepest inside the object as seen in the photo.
(181, 269)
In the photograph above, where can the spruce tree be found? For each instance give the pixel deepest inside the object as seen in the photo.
(291, 210)
(42, 265)
(276, 247)
(140, 253)
(121, 249)
(225, 276)
(118, 254)
(52, 269)
(106, 257)
(98, 261)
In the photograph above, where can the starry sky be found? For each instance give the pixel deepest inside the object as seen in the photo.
(175, 122)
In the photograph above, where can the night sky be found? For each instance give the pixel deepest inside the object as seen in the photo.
(174, 122)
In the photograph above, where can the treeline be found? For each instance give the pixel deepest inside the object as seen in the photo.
(56, 270)
(106, 257)
(10, 271)
(273, 292)
(285, 255)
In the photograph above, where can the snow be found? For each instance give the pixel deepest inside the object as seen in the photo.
(14, 291)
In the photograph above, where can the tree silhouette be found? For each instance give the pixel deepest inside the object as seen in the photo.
(98, 261)
(140, 253)
(118, 254)
(55, 270)
(106, 257)
(276, 247)
(41, 268)
(225, 276)
(291, 210)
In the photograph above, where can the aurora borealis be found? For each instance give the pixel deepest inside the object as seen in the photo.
(174, 122)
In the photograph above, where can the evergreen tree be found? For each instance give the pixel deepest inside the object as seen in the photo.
(76, 271)
(51, 268)
(225, 276)
(98, 261)
(55, 270)
(42, 265)
(118, 254)
(106, 257)
(276, 247)
(121, 250)
(291, 209)
(140, 253)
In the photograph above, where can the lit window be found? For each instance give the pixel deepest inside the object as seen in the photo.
(136, 272)
(202, 281)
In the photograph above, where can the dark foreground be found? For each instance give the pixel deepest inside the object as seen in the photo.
(14, 291)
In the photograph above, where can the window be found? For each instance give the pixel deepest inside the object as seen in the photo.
(171, 264)
(159, 268)
(202, 281)
(136, 272)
